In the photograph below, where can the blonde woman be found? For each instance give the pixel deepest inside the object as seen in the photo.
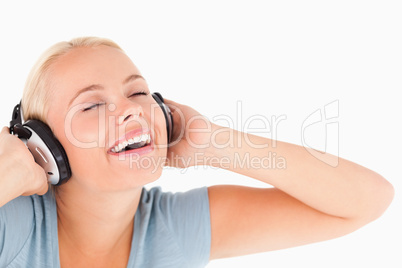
(94, 99)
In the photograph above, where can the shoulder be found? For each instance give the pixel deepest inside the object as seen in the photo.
(17, 215)
(173, 209)
(155, 196)
(20, 220)
(169, 223)
(16, 224)
(179, 206)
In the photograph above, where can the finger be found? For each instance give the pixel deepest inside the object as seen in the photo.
(45, 184)
(172, 104)
(44, 189)
(5, 130)
(42, 179)
(167, 162)
(168, 101)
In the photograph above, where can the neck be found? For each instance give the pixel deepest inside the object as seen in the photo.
(93, 224)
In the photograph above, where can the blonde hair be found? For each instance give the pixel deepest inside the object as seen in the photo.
(35, 97)
(36, 93)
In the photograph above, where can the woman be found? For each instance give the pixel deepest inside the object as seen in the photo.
(94, 98)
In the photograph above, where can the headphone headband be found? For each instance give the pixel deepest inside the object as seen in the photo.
(16, 117)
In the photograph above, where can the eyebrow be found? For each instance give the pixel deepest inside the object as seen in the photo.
(132, 78)
(93, 87)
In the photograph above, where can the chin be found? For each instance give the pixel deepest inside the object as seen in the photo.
(134, 178)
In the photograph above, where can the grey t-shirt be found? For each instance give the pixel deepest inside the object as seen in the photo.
(170, 230)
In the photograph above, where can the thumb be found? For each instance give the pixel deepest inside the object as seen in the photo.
(172, 104)
(5, 130)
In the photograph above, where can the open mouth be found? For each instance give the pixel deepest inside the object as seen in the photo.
(132, 144)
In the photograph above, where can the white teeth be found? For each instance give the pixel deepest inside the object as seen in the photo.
(123, 144)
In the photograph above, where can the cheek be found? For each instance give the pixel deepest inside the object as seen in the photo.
(80, 136)
(83, 133)
(82, 159)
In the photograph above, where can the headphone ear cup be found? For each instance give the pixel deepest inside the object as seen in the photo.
(167, 113)
(48, 152)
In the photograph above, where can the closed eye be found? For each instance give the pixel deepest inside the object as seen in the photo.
(93, 107)
(138, 93)
(96, 105)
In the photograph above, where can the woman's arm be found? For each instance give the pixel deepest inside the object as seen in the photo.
(312, 201)
(348, 190)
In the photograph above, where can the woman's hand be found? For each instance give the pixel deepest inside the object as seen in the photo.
(19, 174)
(191, 136)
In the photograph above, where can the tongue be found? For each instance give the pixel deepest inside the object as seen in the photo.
(134, 146)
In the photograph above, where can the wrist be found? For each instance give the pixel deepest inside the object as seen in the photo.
(218, 153)
(11, 183)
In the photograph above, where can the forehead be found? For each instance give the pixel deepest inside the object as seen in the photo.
(90, 65)
(85, 66)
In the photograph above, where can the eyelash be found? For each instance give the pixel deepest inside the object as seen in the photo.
(139, 93)
(93, 106)
(102, 103)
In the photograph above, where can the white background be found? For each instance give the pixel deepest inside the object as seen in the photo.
(278, 58)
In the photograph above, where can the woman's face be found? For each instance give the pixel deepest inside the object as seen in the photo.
(98, 101)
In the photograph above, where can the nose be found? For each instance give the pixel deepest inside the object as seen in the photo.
(127, 111)
(123, 118)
